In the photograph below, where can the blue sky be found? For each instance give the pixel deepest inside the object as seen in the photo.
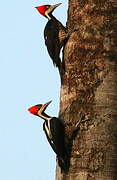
(27, 77)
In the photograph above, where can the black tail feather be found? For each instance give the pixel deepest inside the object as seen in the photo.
(63, 163)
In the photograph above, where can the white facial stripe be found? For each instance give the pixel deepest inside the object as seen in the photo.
(42, 116)
(48, 131)
(46, 13)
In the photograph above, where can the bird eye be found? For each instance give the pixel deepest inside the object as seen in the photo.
(47, 7)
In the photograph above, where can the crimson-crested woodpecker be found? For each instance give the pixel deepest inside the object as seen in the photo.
(55, 133)
(55, 34)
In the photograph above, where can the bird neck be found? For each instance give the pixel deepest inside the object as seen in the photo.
(45, 116)
(50, 16)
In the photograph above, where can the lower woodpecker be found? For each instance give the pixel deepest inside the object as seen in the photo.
(55, 133)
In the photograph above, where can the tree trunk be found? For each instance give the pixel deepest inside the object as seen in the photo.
(89, 90)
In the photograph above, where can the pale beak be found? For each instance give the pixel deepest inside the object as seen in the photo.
(45, 105)
(51, 9)
(43, 108)
(55, 6)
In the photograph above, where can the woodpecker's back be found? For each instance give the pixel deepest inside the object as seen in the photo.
(55, 36)
(55, 133)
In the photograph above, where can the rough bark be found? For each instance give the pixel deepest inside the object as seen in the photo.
(89, 90)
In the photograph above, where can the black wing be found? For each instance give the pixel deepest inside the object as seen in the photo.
(58, 135)
(57, 142)
(51, 36)
(49, 140)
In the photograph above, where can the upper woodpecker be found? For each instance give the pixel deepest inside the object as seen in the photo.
(55, 132)
(55, 34)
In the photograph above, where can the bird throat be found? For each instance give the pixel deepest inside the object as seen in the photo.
(44, 116)
(49, 16)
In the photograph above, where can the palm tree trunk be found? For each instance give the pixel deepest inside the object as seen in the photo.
(89, 90)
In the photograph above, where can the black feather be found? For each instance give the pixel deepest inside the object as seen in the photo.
(53, 41)
(57, 141)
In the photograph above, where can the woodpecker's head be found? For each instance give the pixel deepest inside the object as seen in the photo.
(39, 109)
(46, 10)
